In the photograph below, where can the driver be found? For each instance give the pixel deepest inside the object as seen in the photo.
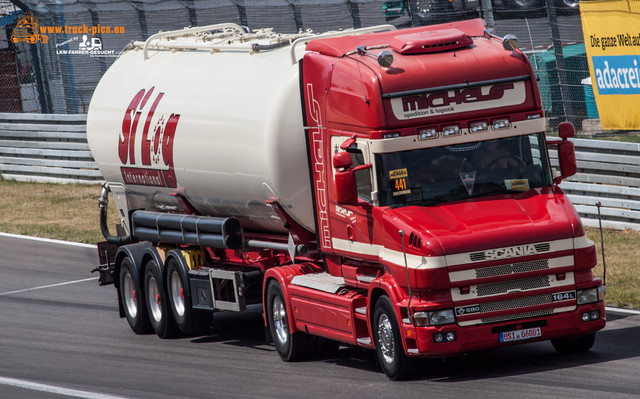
(495, 154)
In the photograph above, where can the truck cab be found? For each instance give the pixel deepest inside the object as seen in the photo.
(438, 214)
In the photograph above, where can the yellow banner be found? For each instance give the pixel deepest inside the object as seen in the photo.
(611, 31)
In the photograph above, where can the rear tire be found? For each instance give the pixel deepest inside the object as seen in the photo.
(132, 298)
(157, 304)
(574, 345)
(290, 347)
(179, 295)
(386, 334)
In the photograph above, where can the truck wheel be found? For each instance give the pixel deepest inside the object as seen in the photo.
(290, 347)
(156, 301)
(180, 297)
(130, 293)
(574, 345)
(386, 334)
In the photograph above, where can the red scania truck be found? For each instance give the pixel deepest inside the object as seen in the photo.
(381, 188)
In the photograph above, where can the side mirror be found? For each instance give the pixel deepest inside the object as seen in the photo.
(566, 130)
(567, 159)
(566, 152)
(345, 178)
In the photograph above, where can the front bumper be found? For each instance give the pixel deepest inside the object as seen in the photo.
(420, 340)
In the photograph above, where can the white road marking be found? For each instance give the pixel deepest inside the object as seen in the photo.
(48, 240)
(34, 386)
(48, 286)
(621, 310)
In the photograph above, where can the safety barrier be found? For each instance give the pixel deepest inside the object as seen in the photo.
(46, 148)
(608, 174)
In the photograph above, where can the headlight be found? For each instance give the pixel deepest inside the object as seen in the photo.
(587, 296)
(435, 318)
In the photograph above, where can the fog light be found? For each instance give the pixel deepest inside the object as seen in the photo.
(438, 338)
(591, 316)
(451, 336)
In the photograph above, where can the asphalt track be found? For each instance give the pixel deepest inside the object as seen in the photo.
(60, 336)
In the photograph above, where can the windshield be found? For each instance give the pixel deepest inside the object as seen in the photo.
(433, 175)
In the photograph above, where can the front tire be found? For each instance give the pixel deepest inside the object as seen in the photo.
(574, 345)
(131, 298)
(290, 347)
(156, 300)
(386, 334)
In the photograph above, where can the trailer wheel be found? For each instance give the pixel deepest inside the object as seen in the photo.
(156, 300)
(389, 349)
(574, 345)
(290, 347)
(130, 292)
(180, 298)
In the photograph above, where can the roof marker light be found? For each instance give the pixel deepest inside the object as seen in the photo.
(427, 134)
(453, 130)
(478, 126)
(500, 123)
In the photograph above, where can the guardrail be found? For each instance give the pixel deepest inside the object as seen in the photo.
(53, 148)
(46, 148)
(608, 173)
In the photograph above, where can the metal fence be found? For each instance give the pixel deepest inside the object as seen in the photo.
(53, 148)
(46, 148)
(63, 79)
(608, 174)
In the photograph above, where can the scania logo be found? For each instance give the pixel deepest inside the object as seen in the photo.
(459, 96)
(510, 252)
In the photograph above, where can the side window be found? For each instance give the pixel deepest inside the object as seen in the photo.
(363, 177)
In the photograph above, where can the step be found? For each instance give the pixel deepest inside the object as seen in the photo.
(364, 341)
(365, 278)
(324, 282)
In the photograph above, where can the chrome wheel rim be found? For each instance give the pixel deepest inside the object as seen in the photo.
(385, 338)
(177, 293)
(280, 322)
(154, 299)
(129, 292)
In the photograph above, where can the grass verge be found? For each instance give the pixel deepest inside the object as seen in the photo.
(70, 212)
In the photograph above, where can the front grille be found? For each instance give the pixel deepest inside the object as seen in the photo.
(512, 268)
(504, 287)
(515, 303)
(498, 319)
(543, 247)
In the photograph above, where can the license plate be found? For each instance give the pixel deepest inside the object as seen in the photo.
(520, 335)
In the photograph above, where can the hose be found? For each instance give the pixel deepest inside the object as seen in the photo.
(104, 206)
